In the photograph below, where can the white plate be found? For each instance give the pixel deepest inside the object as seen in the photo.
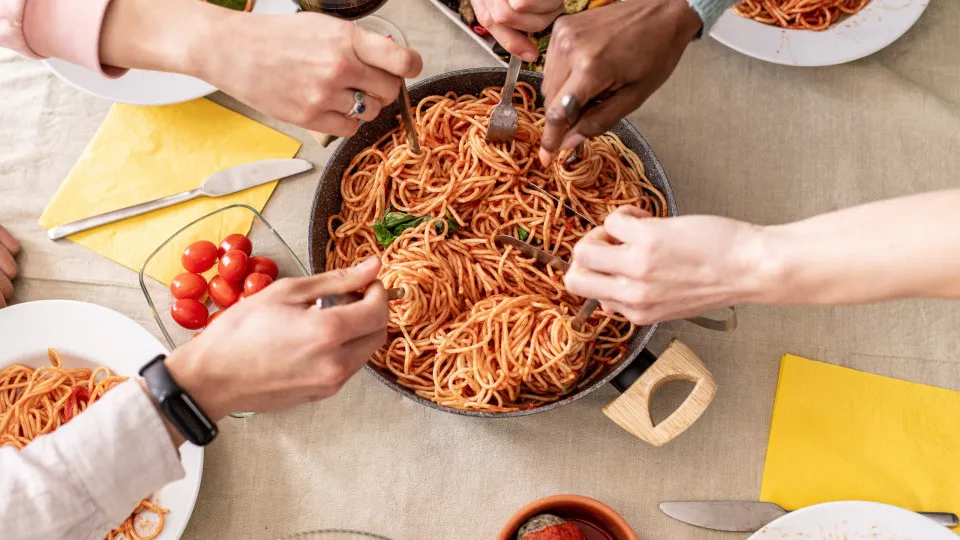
(87, 334)
(140, 87)
(852, 520)
(877, 25)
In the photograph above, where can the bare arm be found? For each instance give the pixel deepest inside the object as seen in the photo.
(897, 248)
(664, 269)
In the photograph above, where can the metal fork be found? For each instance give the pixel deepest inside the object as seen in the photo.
(504, 119)
(572, 108)
(539, 189)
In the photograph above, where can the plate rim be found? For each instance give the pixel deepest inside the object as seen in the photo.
(15, 309)
(837, 59)
(930, 527)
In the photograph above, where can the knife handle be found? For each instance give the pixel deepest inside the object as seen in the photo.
(943, 518)
(631, 410)
(93, 222)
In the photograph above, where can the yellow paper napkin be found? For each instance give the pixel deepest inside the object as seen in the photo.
(841, 434)
(144, 153)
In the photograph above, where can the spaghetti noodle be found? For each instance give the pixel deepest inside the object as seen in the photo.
(482, 328)
(799, 14)
(35, 402)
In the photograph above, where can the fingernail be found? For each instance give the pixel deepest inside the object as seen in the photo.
(545, 157)
(529, 57)
(368, 263)
(571, 141)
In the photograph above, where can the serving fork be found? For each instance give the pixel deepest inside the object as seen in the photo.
(503, 120)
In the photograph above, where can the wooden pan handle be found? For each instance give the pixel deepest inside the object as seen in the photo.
(323, 139)
(632, 409)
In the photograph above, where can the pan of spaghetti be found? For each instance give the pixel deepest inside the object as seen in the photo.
(483, 331)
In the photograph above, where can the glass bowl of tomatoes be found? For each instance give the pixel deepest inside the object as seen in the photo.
(211, 264)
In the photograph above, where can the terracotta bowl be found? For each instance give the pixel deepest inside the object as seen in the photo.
(606, 524)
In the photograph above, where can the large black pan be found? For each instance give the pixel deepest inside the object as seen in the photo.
(638, 375)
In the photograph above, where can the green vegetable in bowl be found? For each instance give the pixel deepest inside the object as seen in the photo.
(239, 5)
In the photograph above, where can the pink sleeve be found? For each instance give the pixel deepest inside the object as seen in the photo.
(65, 29)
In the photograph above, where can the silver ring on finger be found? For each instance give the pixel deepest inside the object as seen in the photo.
(359, 107)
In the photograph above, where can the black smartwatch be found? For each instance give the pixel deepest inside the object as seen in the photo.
(177, 405)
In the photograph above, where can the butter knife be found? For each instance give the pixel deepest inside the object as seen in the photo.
(225, 182)
(749, 516)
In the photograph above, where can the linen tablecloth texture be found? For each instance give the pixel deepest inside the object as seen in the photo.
(737, 137)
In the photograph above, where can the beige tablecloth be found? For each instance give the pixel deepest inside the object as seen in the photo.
(737, 137)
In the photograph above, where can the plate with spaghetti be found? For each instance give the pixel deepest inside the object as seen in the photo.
(482, 330)
(815, 32)
(71, 353)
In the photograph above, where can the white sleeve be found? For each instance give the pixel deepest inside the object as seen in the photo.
(86, 477)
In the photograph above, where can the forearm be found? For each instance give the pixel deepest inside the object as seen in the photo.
(898, 248)
(88, 475)
(173, 35)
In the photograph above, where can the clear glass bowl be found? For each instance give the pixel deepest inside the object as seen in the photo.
(164, 262)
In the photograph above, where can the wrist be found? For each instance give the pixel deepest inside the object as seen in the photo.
(689, 21)
(208, 52)
(189, 371)
(764, 266)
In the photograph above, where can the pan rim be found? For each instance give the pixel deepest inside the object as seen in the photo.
(644, 332)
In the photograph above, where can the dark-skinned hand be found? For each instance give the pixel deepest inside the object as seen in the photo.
(624, 51)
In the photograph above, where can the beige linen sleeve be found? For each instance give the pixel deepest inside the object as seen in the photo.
(86, 477)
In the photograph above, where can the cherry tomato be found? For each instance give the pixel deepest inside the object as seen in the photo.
(233, 266)
(214, 316)
(223, 293)
(255, 283)
(263, 265)
(188, 285)
(189, 314)
(236, 241)
(199, 257)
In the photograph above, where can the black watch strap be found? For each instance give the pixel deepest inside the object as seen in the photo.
(177, 405)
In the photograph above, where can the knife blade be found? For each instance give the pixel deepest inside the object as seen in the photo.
(734, 516)
(224, 182)
(748, 516)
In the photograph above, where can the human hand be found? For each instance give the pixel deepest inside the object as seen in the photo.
(624, 51)
(305, 68)
(509, 21)
(651, 270)
(274, 350)
(9, 247)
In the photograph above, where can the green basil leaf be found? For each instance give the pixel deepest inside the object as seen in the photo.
(522, 234)
(394, 220)
(384, 236)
